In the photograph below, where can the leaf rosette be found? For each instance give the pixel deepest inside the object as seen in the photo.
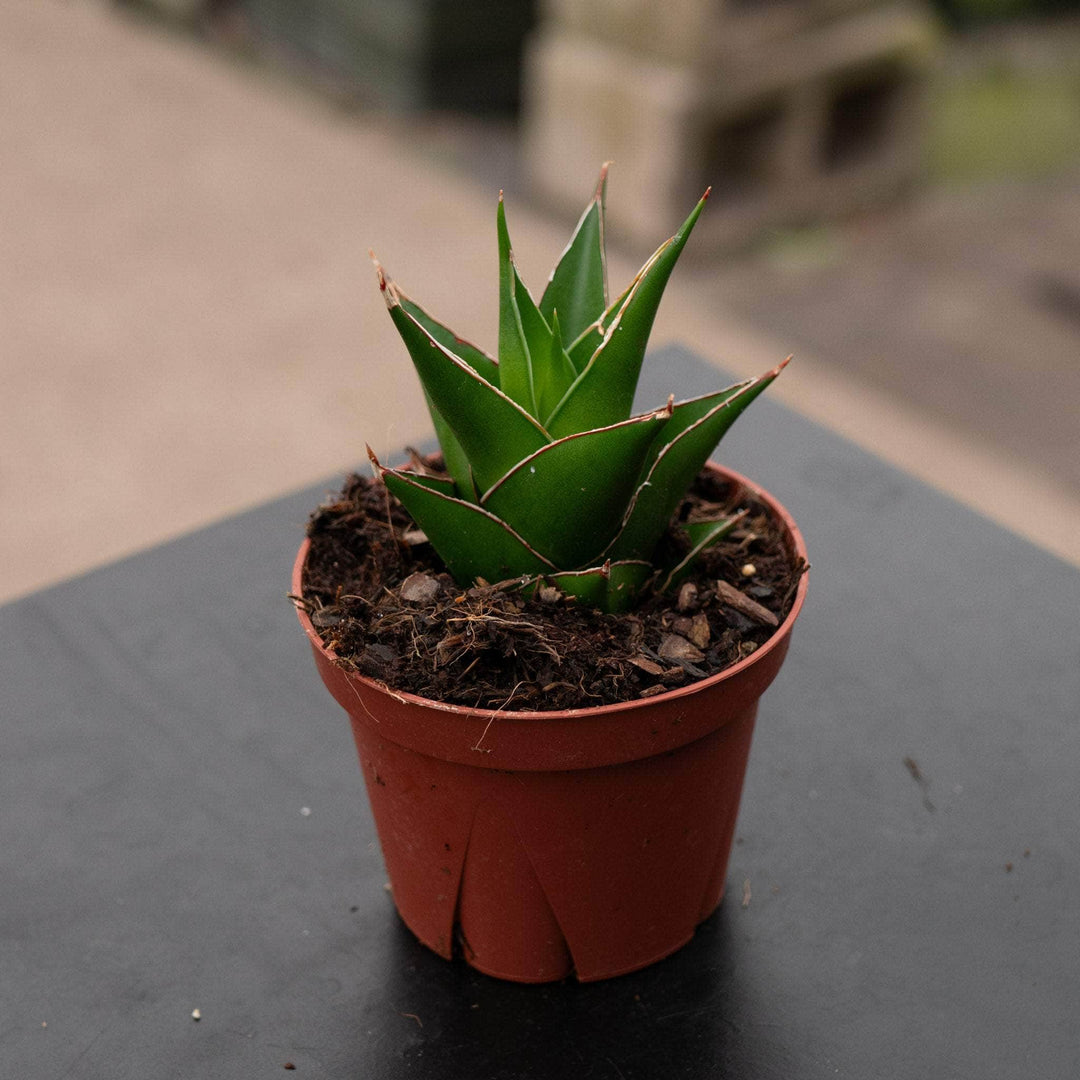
(549, 476)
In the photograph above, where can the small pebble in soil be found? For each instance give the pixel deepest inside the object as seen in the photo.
(695, 630)
(676, 648)
(420, 588)
(688, 597)
(749, 570)
(699, 630)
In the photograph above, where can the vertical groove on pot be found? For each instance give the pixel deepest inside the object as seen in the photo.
(503, 912)
(741, 735)
(423, 826)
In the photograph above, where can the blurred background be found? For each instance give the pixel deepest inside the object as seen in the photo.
(189, 323)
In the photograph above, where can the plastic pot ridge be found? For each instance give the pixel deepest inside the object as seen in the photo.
(543, 844)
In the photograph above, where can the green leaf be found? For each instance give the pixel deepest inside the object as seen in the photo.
(628, 578)
(604, 391)
(689, 438)
(515, 364)
(434, 483)
(533, 324)
(553, 378)
(581, 349)
(550, 372)
(454, 456)
(494, 432)
(611, 587)
(471, 541)
(457, 463)
(703, 534)
(577, 288)
(685, 414)
(475, 357)
(588, 586)
(568, 498)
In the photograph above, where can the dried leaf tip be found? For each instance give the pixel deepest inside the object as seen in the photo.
(666, 411)
(708, 192)
(780, 367)
(374, 460)
(599, 197)
(386, 284)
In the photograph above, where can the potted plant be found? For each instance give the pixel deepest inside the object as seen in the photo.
(550, 654)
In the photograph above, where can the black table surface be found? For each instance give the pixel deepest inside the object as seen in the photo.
(183, 824)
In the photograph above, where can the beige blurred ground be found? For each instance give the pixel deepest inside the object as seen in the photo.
(189, 324)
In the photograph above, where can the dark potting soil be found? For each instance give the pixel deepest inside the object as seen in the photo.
(381, 598)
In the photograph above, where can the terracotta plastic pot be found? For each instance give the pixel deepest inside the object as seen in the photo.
(589, 842)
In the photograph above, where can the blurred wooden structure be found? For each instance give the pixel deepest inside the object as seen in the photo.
(793, 110)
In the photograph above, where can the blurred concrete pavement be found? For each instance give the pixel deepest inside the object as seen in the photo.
(189, 323)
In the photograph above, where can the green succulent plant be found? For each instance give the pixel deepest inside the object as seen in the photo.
(551, 479)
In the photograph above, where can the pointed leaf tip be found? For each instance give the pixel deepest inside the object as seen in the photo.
(708, 192)
(577, 287)
(603, 392)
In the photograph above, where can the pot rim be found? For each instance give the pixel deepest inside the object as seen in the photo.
(778, 639)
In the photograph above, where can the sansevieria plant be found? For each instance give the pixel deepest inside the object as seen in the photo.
(550, 478)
